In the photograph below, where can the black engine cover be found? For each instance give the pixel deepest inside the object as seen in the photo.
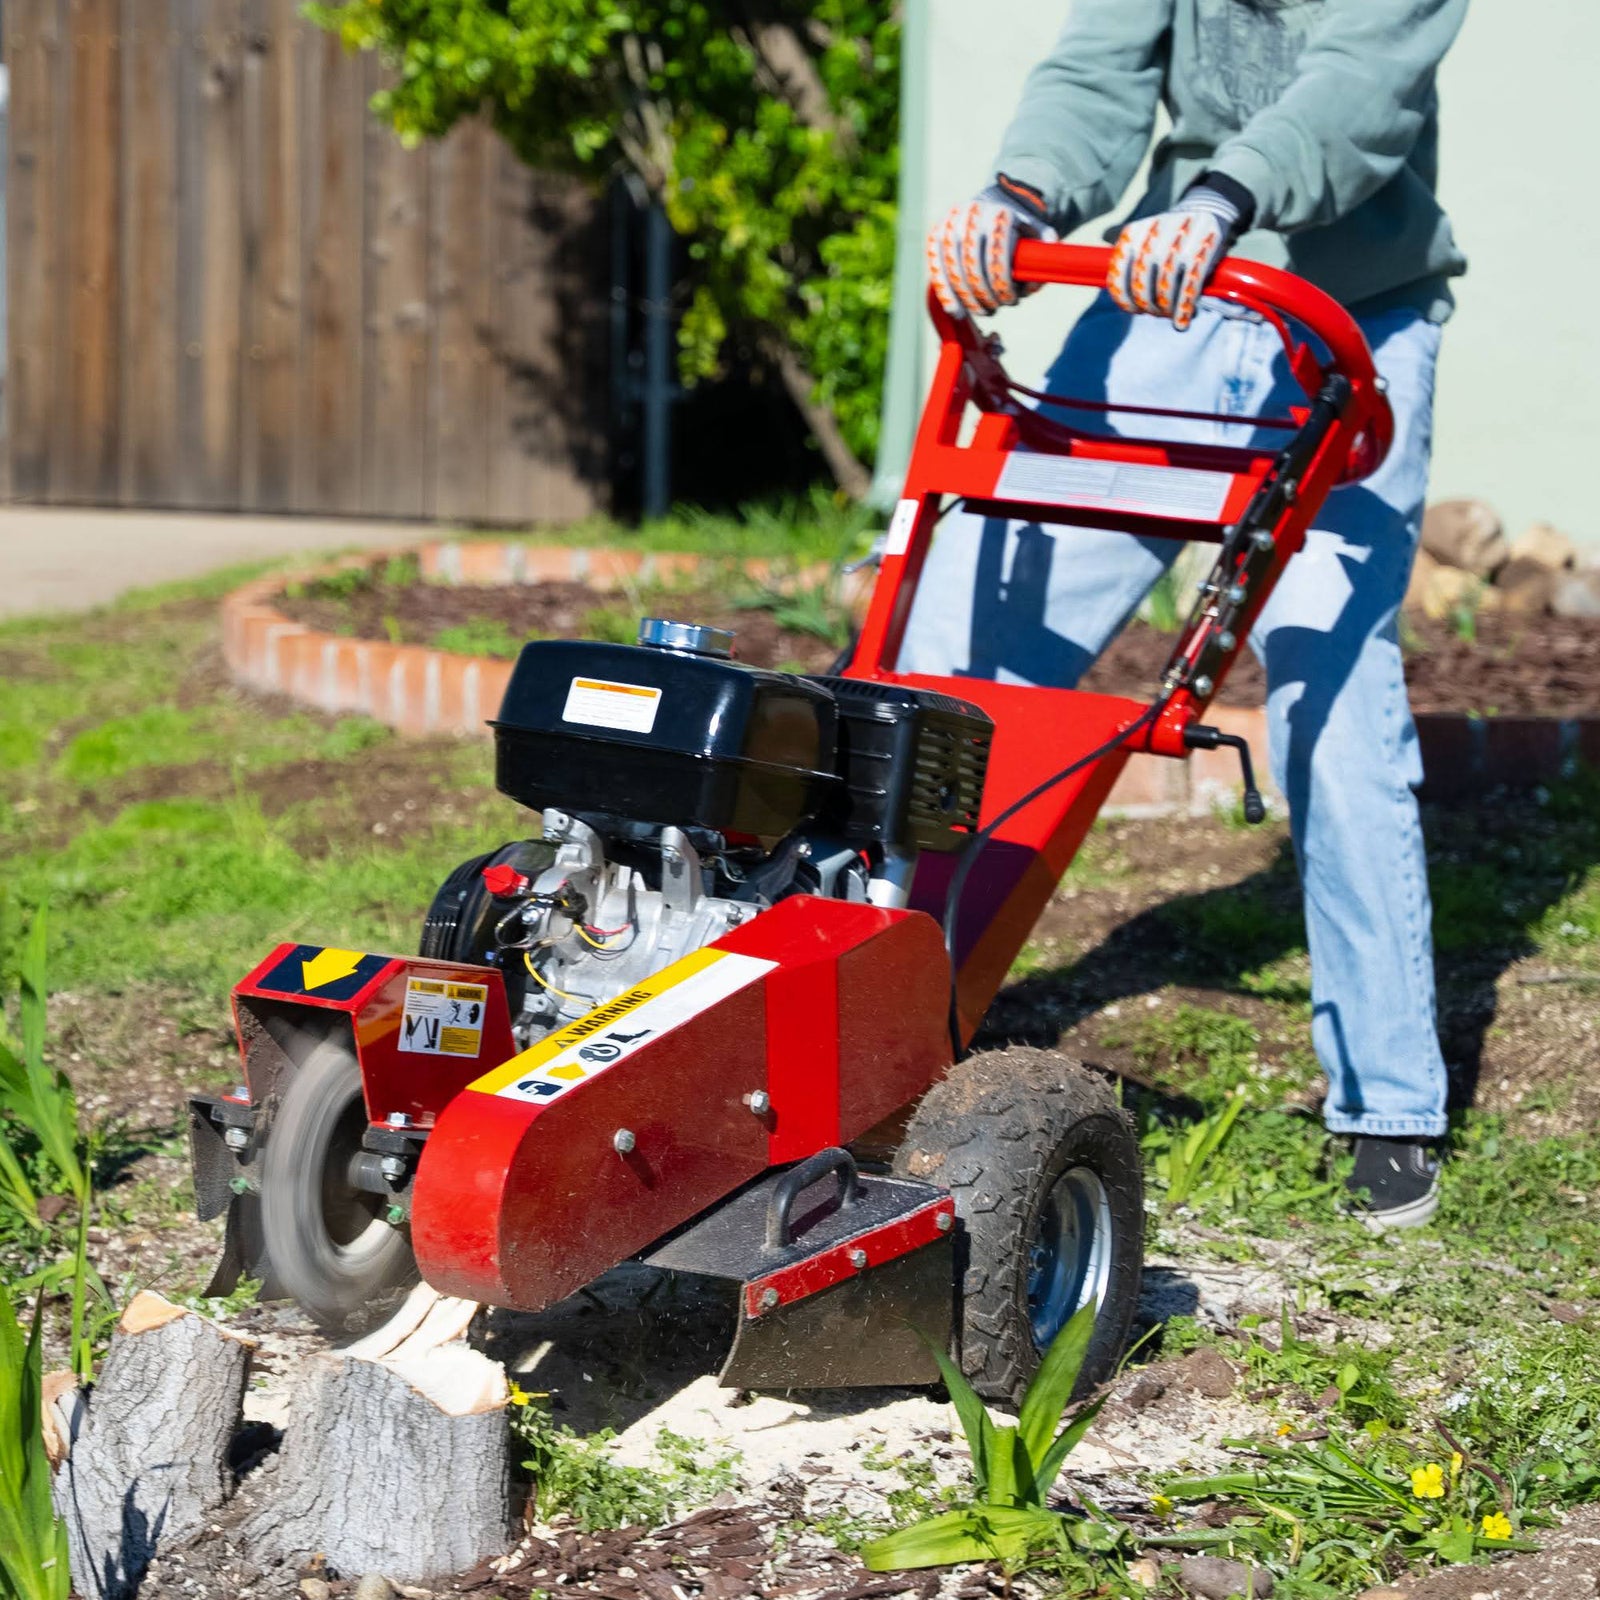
(664, 737)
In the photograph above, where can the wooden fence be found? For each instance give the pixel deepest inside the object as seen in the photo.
(230, 287)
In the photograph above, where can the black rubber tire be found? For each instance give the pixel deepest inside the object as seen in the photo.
(999, 1132)
(330, 1248)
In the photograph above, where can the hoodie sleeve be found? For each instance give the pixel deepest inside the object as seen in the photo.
(1088, 109)
(1361, 95)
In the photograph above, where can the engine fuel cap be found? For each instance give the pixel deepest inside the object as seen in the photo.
(660, 634)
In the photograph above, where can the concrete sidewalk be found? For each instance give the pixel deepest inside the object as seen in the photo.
(74, 558)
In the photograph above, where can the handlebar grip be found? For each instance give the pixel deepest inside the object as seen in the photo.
(1278, 296)
(1251, 284)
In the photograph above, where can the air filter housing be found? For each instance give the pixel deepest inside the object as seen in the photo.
(913, 763)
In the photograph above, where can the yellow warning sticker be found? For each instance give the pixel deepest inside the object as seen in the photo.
(443, 1018)
(612, 1032)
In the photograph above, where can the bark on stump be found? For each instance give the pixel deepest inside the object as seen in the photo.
(400, 1466)
(147, 1460)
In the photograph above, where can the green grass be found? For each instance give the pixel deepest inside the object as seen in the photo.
(150, 806)
(818, 527)
(480, 637)
(575, 1475)
(136, 800)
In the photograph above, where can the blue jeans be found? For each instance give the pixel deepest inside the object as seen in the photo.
(1028, 604)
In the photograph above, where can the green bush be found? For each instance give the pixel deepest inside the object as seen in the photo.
(772, 142)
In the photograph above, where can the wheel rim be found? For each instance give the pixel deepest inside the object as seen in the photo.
(352, 1219)
(1069, 1258)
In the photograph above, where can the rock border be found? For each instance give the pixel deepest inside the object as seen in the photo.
(414, 688)
(417, 690)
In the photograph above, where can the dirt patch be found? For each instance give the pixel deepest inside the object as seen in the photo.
(419, 613)
(1567, 1567)
(135, 1056)
(1526, 666)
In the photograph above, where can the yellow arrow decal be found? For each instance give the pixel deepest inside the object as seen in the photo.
(328, 966)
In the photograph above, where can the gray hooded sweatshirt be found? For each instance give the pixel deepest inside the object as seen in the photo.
(1324, 110)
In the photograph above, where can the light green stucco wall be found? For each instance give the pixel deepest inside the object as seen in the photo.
(1518, 418)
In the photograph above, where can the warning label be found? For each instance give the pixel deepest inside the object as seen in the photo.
(443, 1018)
(1053, 480)
(901, 525)
(628, 707)
(612, 1032)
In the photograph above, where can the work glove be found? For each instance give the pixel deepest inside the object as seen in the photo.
(970, 252)
(1161, 264)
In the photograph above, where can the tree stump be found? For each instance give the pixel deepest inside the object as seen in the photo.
(147, 1458)
(397, 1458)
(399, 1465)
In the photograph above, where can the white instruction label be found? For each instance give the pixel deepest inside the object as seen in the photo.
(612, 1032)
(443, 1018)
(628, 707)
(1052, 480)
(900, 526)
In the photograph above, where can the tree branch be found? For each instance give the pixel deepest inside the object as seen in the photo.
(846, 467)
(787, 71)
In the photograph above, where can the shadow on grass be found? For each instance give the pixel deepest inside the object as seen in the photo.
(1511, 877)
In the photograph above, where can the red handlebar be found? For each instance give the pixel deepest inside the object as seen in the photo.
(1280, 298)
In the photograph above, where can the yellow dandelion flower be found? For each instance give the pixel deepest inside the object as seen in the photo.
(1427, 1483)
(1285, 1428)
(1160, 1504)
(1496, 1526)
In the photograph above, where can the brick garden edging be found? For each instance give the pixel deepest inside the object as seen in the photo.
(410, 687)
(417, 690)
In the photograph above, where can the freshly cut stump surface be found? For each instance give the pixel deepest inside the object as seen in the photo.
(399, 1465)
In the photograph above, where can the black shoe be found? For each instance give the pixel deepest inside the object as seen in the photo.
(1395, 1183)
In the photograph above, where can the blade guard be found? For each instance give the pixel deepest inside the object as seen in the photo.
(416, 1054)
(794, 1033)
(828, 1296)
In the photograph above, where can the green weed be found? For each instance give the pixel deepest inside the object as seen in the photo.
(482, 636)
(401, 571)
(1014, 1469)
(611, 625)
(812, 608)
(1162, 607)
(1232, 930)
(1180, 1154)
(1533, 1407)
(1346, 1512)
(38, 1101)
(576, 1475)
(1344, 1378)
(1196, 1048)
(33, 1543)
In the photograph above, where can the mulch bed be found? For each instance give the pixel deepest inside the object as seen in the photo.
(721, 1553)
(724, 1552)
(1524, 666)
(416, 613)
(1514, 665)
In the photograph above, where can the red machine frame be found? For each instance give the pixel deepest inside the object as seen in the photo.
(1343, 433)
(829, 1017)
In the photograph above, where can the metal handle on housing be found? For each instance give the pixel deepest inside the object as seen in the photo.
(798, 1179)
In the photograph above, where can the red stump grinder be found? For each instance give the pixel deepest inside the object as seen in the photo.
(762, 919)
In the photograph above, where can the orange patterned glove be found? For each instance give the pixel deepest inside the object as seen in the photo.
(1161, 264)
(971, 250)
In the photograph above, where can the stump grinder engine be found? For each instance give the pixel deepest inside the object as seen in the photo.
(714, 1014)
